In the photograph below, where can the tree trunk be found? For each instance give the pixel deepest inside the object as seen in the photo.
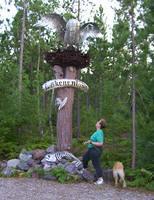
(87, 101)
(101, 97)
(78, 17)
(38, 93)
(21, 52)
(133, 126)
(78, 96)
(133, 164)
(78, 109)
(64, 115)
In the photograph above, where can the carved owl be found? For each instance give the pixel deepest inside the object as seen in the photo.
(71, 33)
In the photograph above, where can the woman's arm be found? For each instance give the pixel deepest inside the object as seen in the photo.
(98, 144)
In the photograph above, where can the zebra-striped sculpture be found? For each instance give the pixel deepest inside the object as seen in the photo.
(58, 156)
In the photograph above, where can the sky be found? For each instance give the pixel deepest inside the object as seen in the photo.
(107, 5)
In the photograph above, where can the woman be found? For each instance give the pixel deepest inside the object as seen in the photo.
(95, 150)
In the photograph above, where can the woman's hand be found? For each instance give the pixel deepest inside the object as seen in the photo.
(87, 142)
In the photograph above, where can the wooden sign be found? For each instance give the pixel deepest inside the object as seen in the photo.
(60, 83)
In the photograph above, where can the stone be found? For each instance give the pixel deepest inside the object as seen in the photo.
(47, 166)
(13, 163)
(71, 168)
(25, 156)
(31, 162)
(108, 175)
(49, 176)
(63, 161)
(8, 171)
(23, 166)
(3, 164)
(38, 154)
(39, 164)
(86, 175)
(60, 165)
(51, 149)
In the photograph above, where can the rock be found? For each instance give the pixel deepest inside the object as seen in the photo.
(49, 176)
(8, 171)
(49, 166)
(25, 155)
(13, 163)
(71, 168)
(108, 175)
(23, 166)
(39, 164)
(60, 165)
(51, 149)
(63, 161)
(38, 154)
(31, 162)
(86, 175)
(46, 166)
(3, 164)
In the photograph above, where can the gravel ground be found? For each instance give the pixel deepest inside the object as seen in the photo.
(37, 189)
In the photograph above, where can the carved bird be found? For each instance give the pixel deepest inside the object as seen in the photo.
(60, 103)
(71, 33)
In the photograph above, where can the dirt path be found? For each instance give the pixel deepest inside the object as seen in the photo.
(36, 189)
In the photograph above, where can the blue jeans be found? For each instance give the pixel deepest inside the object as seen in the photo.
(94, 155)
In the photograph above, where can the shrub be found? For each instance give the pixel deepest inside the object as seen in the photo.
(61, 174)
(140, 178)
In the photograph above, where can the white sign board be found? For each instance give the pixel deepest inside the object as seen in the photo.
(59, 83)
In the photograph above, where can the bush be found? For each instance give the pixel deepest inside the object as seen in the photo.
(61, 174)
(39, 172)
(9, 150)
(140, 178)
(150, 186)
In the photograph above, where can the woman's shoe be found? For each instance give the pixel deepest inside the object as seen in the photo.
(99, 181)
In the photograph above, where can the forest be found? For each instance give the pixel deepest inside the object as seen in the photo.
(120, 79)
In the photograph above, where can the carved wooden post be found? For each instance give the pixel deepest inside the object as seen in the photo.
(65, 66)
(64, 116)
(66, 62)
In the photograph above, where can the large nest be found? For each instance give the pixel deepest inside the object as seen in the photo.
(67, 58)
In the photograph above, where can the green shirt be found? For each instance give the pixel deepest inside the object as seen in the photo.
(97, 136)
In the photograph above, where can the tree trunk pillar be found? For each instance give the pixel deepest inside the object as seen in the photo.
(64, 115)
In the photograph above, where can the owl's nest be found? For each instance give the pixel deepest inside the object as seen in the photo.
(67, 58)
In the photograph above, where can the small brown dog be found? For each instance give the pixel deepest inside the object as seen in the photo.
(119, 174)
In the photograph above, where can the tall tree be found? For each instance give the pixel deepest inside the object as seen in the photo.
(22, 50)
(133, 87)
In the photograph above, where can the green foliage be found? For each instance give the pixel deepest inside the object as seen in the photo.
(9, 150)
(62, 175)
(150, 186)
(78, 148)
(39, 171)
(140, 178)
(88, 120)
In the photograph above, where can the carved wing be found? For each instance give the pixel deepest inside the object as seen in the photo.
(54, 22)
(89, 30)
